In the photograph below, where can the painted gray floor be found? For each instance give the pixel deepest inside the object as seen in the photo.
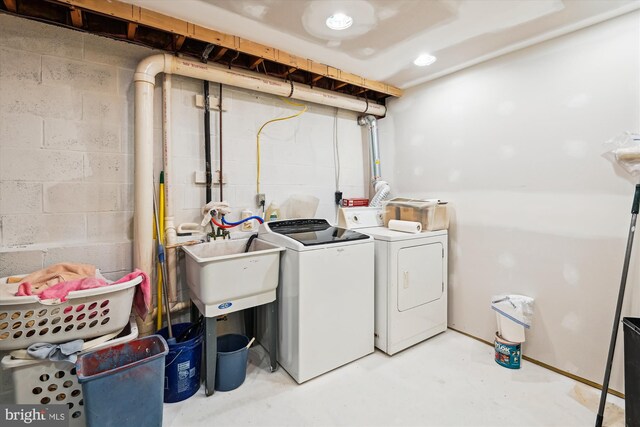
(449, 380)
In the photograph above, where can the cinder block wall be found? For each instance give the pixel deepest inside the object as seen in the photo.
(66, 148)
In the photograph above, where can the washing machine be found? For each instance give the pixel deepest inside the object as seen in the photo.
(410, 280)
(325, 296)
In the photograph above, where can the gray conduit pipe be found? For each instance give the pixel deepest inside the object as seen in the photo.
(381, 188)
(144, 81)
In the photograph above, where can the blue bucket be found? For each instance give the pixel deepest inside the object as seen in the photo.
(182, 365)
(508, 354)
(231, 366)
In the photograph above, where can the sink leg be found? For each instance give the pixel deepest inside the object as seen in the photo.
(194, 313)
(250, 321)
(272, 309)
(210, 353)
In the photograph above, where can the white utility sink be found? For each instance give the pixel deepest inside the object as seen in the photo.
(222, 278)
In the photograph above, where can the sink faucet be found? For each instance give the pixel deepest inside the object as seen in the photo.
(220, 232)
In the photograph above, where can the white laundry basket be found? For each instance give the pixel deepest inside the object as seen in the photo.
(47, 382)
(85, 314)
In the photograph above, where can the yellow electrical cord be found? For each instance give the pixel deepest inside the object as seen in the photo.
(295, 104)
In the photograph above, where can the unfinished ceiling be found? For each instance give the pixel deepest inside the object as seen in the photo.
(388, 35)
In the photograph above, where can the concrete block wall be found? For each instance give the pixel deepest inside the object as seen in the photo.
(66, 148)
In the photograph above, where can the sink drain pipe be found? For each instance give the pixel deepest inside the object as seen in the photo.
(145, 79)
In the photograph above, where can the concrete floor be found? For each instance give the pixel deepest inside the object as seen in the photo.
(449, 380)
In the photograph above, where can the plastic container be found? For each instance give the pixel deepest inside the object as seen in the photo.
(123, 384)
(85, 314)
(182, 365)
(508, 354)
(231, 367)
(513, 315)
(273, 212)
(43, 381)
(432, 214)
(632, 370)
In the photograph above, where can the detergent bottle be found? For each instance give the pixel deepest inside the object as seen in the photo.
(273, 212)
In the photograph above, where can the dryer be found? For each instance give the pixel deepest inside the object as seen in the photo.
(410, 280)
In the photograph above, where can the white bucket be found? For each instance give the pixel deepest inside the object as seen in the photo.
(509, 330)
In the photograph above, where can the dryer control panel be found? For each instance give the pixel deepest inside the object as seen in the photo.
(360, 217)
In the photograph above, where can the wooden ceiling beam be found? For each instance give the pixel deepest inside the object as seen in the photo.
(11, 5)
(255, 63)
(131, 30)
(76, 17)
(220, 53)
(339, 85)
(158, 21)
(178, 42)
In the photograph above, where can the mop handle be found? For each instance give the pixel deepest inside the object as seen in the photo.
(616, 319)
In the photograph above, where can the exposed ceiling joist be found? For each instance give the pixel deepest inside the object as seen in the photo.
(11, 5)
(76, 17)
(219, 54)
(255, 63)
(131, 30)
(178, 42)
(142, 26)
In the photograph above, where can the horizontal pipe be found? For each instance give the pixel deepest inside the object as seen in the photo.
(144, 79)
(272, 85)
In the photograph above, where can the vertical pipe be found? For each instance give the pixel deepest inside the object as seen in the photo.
(371, 122)
(220, 180)
(207, 141)
(143, 177)
(169, 225)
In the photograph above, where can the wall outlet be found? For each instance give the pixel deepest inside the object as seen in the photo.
(260, 199)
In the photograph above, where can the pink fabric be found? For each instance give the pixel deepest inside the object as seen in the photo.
(141, 299)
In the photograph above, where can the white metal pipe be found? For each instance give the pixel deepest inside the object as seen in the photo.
(374, 145)
(144, 79)
(381, 188)
(143, 177)
(169, 225)
(272, 85)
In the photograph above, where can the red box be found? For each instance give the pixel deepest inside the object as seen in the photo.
(351, 203)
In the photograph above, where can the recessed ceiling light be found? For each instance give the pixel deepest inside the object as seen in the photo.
(339, 21)
(424, 60)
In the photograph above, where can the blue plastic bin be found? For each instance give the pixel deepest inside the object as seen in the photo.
(123, 384)
(231, 366)
(182, 365)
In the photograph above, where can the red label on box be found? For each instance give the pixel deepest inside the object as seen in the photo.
(350, 203)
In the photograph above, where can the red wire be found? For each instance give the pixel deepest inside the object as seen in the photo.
(221, 225)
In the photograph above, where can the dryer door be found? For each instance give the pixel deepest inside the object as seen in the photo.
(419, 275)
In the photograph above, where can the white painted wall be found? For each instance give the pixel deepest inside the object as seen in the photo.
(515, 145)
(66, 148)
